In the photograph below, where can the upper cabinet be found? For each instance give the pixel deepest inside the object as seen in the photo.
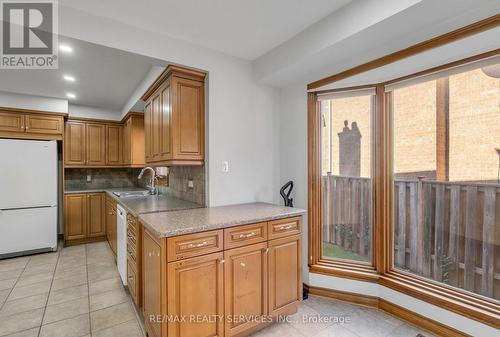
(174, 118)
(94, 143)
(16, 123)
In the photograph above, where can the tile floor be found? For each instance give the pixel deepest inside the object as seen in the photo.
(76, 292)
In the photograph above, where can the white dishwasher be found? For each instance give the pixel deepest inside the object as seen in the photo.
(121, 242)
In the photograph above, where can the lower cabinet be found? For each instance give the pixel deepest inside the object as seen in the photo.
(84, 217)
(230, 292)
(245, 287)
(195, 291)
(111, 223)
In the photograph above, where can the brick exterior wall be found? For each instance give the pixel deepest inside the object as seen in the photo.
(474, 124)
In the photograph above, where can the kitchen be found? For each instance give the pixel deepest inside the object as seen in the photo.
(132, 194)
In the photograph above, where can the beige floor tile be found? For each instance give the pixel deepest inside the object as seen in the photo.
(69, 272)
(26, 333)
(68, 294)
(336, 331)
(327, 306)
(24, 304)
(369, 322)
(39, 269)
(67, 282)
(128, 329)
(58, 312)
(29, 290)
(20, 259)
(20, 322)
(111, 316)
(96, 273)
(26, 280)
(102, 286)
(108, 299)
(71, 327)
(15, 265)
(7, 284)
(3, 295)
(44, 258)
(279, 330)
(10, 274)
(304, 320)
(101, 260)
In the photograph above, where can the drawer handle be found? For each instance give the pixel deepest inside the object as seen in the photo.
(197, 245)
(266, 250)
(221, 261)
(246, 236)
(284, 228)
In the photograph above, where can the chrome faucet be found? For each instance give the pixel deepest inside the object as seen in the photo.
(152, 188)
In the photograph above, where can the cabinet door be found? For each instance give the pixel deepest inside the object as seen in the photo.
(74, 143)
(147, 131)
(188, 106)
(111, 224)
(127, 137)
(166, 124)
(285, 278)
(44, 124)
(96, 215)
(75, 216)
(12, 122)
(114, 152)
(245, 286)
(152, 283)
(96, 144)
(195, 287)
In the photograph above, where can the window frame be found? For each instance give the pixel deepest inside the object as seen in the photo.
(381, 271)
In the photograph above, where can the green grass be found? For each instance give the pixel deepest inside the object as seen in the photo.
(333, 251)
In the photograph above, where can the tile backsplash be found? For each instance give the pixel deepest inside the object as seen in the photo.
(76, 178)
(178, 183)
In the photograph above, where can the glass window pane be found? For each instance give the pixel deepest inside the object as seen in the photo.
(446, 200)
(346, 177)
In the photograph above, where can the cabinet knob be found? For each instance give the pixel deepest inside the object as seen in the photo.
(243, 264)
(266, 250)
(221, 261)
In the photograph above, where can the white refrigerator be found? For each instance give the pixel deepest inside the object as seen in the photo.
(28, 196)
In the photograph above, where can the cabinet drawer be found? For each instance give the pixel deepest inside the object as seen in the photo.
(245, 235)
(185, 246)
(284, 227)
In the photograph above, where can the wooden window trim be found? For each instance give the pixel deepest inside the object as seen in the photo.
(456, 300)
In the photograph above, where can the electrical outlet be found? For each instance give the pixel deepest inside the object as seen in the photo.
(89, 178)
(190, 183)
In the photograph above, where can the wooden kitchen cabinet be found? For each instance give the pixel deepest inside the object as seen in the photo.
(245, 278)
(133, 141)
(232, 272)
(96, 226)
(195, 287)
(114, 145)
(285, 274)
(134, 259)
(153, 281)
(75, 144)
(75, 216)
(19, 123)
(111, 223)
(95, 141)
(174, 118)
(84, 217)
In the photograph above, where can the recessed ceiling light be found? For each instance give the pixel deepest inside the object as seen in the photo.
(65, 48)
(70, 95)
(69, 78)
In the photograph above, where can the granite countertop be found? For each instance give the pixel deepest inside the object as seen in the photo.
(143, 204)
(168, 224)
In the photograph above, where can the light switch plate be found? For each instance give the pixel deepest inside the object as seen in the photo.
(89, 177)
(190, 183)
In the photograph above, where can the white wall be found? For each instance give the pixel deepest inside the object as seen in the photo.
(91, 112)
(241, 114)
(30, 102)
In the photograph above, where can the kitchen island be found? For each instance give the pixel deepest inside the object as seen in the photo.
(220, 271)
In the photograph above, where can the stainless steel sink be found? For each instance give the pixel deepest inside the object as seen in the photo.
(130, 194)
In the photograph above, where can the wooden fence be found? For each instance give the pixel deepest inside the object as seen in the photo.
(449, 232)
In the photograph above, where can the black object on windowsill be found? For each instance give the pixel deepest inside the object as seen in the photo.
(286, 195)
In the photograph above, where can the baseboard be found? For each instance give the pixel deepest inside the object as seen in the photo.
(389, 307)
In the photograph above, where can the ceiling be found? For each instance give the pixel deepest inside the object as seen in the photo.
(105, 78)
(241, 28)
